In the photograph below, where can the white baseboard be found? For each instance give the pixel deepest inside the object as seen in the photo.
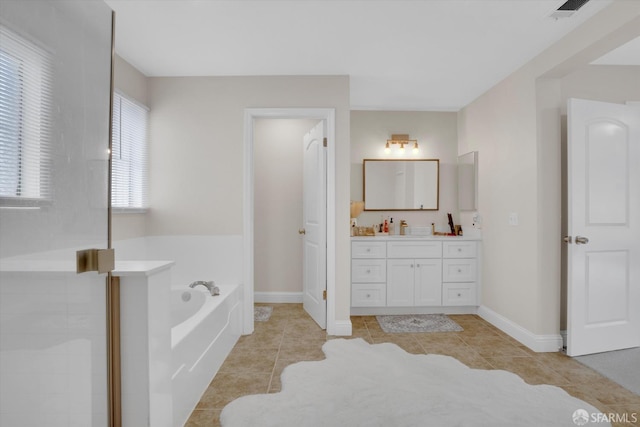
(340, 328)
(538, 343)
(278, 297)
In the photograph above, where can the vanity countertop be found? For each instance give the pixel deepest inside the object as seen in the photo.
(386, 237)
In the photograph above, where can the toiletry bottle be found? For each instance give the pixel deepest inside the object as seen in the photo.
(392, 227)
(386, 226)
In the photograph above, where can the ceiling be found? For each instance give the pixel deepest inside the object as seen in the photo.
(399, 54)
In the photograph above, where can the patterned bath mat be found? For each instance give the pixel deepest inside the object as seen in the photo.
(262, 313)
(418, 323)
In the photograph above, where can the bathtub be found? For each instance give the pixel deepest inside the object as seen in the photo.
(204, 330)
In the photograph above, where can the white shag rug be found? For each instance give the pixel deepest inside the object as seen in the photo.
(360, 384)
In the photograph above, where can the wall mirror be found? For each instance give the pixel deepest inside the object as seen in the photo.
(401, 185)
(468, 181)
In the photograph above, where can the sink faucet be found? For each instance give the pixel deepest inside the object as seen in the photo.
(213, 289)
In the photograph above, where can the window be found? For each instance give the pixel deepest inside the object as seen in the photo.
(25, 121)
(129, 155)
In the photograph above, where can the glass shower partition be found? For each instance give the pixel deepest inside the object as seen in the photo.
(55, 92)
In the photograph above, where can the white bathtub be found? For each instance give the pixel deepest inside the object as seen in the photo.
(204, 330)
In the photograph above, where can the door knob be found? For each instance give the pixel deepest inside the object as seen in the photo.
(580, 240)
(302, 231)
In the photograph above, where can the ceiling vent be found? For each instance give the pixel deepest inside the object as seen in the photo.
(568, 9)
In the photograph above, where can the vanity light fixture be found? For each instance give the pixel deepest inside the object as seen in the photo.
(402, 140)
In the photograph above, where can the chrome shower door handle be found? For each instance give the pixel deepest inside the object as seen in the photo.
(581, 240)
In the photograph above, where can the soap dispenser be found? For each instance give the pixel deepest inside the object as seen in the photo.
(392, 227)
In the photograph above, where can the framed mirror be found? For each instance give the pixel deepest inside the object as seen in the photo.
(401, 185)
(468, 181)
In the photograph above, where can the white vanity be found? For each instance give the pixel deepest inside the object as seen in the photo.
(411, 274)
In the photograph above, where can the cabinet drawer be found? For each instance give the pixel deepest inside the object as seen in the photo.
(368, 295)
(368, 249)
(459, 249)
(459, 270)
(459, 294)
(368, 270)
(414, 249)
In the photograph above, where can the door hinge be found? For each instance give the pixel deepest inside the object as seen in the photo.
(324, 142)
(100, 260)
(324, 295)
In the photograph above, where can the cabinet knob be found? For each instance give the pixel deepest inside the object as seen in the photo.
(368, 295)
(459, 249)
(459, 294)
(368, 249)
(368, 271)
(459, 270)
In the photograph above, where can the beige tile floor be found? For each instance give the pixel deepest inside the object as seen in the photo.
(290, 335)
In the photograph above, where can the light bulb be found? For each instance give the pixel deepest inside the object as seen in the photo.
(415, 148)
(387, 148)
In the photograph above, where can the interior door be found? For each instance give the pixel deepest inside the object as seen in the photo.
(314, 225)
(603, 227)
(55, 90)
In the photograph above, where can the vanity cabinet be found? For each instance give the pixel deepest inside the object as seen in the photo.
(413, 273)
(459, 272)
(368, 274)
(414, 282)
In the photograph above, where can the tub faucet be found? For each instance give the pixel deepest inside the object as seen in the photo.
(213, 289)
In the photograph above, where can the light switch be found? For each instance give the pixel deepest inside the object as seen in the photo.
(513, 218)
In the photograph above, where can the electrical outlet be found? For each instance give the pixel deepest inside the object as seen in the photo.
(513, 218)
(477, 220)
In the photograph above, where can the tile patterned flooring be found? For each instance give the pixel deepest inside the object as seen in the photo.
(290, 335)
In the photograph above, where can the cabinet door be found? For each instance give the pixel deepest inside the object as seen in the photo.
(368, 295)
(414, 249)
(459, 294)
(368, 249)
(400, 280)
(459, 249)
(428, 282)
(459, 270)
(368, 270)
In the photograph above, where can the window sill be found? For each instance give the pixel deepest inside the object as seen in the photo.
(23, 203)
(119, 211)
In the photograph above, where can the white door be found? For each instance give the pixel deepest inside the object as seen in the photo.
(604, 226)
(314, 225)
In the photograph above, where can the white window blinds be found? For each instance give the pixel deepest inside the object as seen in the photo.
(25, 121)
(129, 155)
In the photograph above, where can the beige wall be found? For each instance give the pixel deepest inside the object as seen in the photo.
(196, 158)
(278, 203)
(519, 171)
(607, 83)
(132, 83)
(436, 133)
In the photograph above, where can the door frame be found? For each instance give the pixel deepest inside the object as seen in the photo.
(250, 115)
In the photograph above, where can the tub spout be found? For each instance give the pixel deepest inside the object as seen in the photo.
(213, 289)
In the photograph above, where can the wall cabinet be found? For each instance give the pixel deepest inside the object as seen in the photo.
(413, 273)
